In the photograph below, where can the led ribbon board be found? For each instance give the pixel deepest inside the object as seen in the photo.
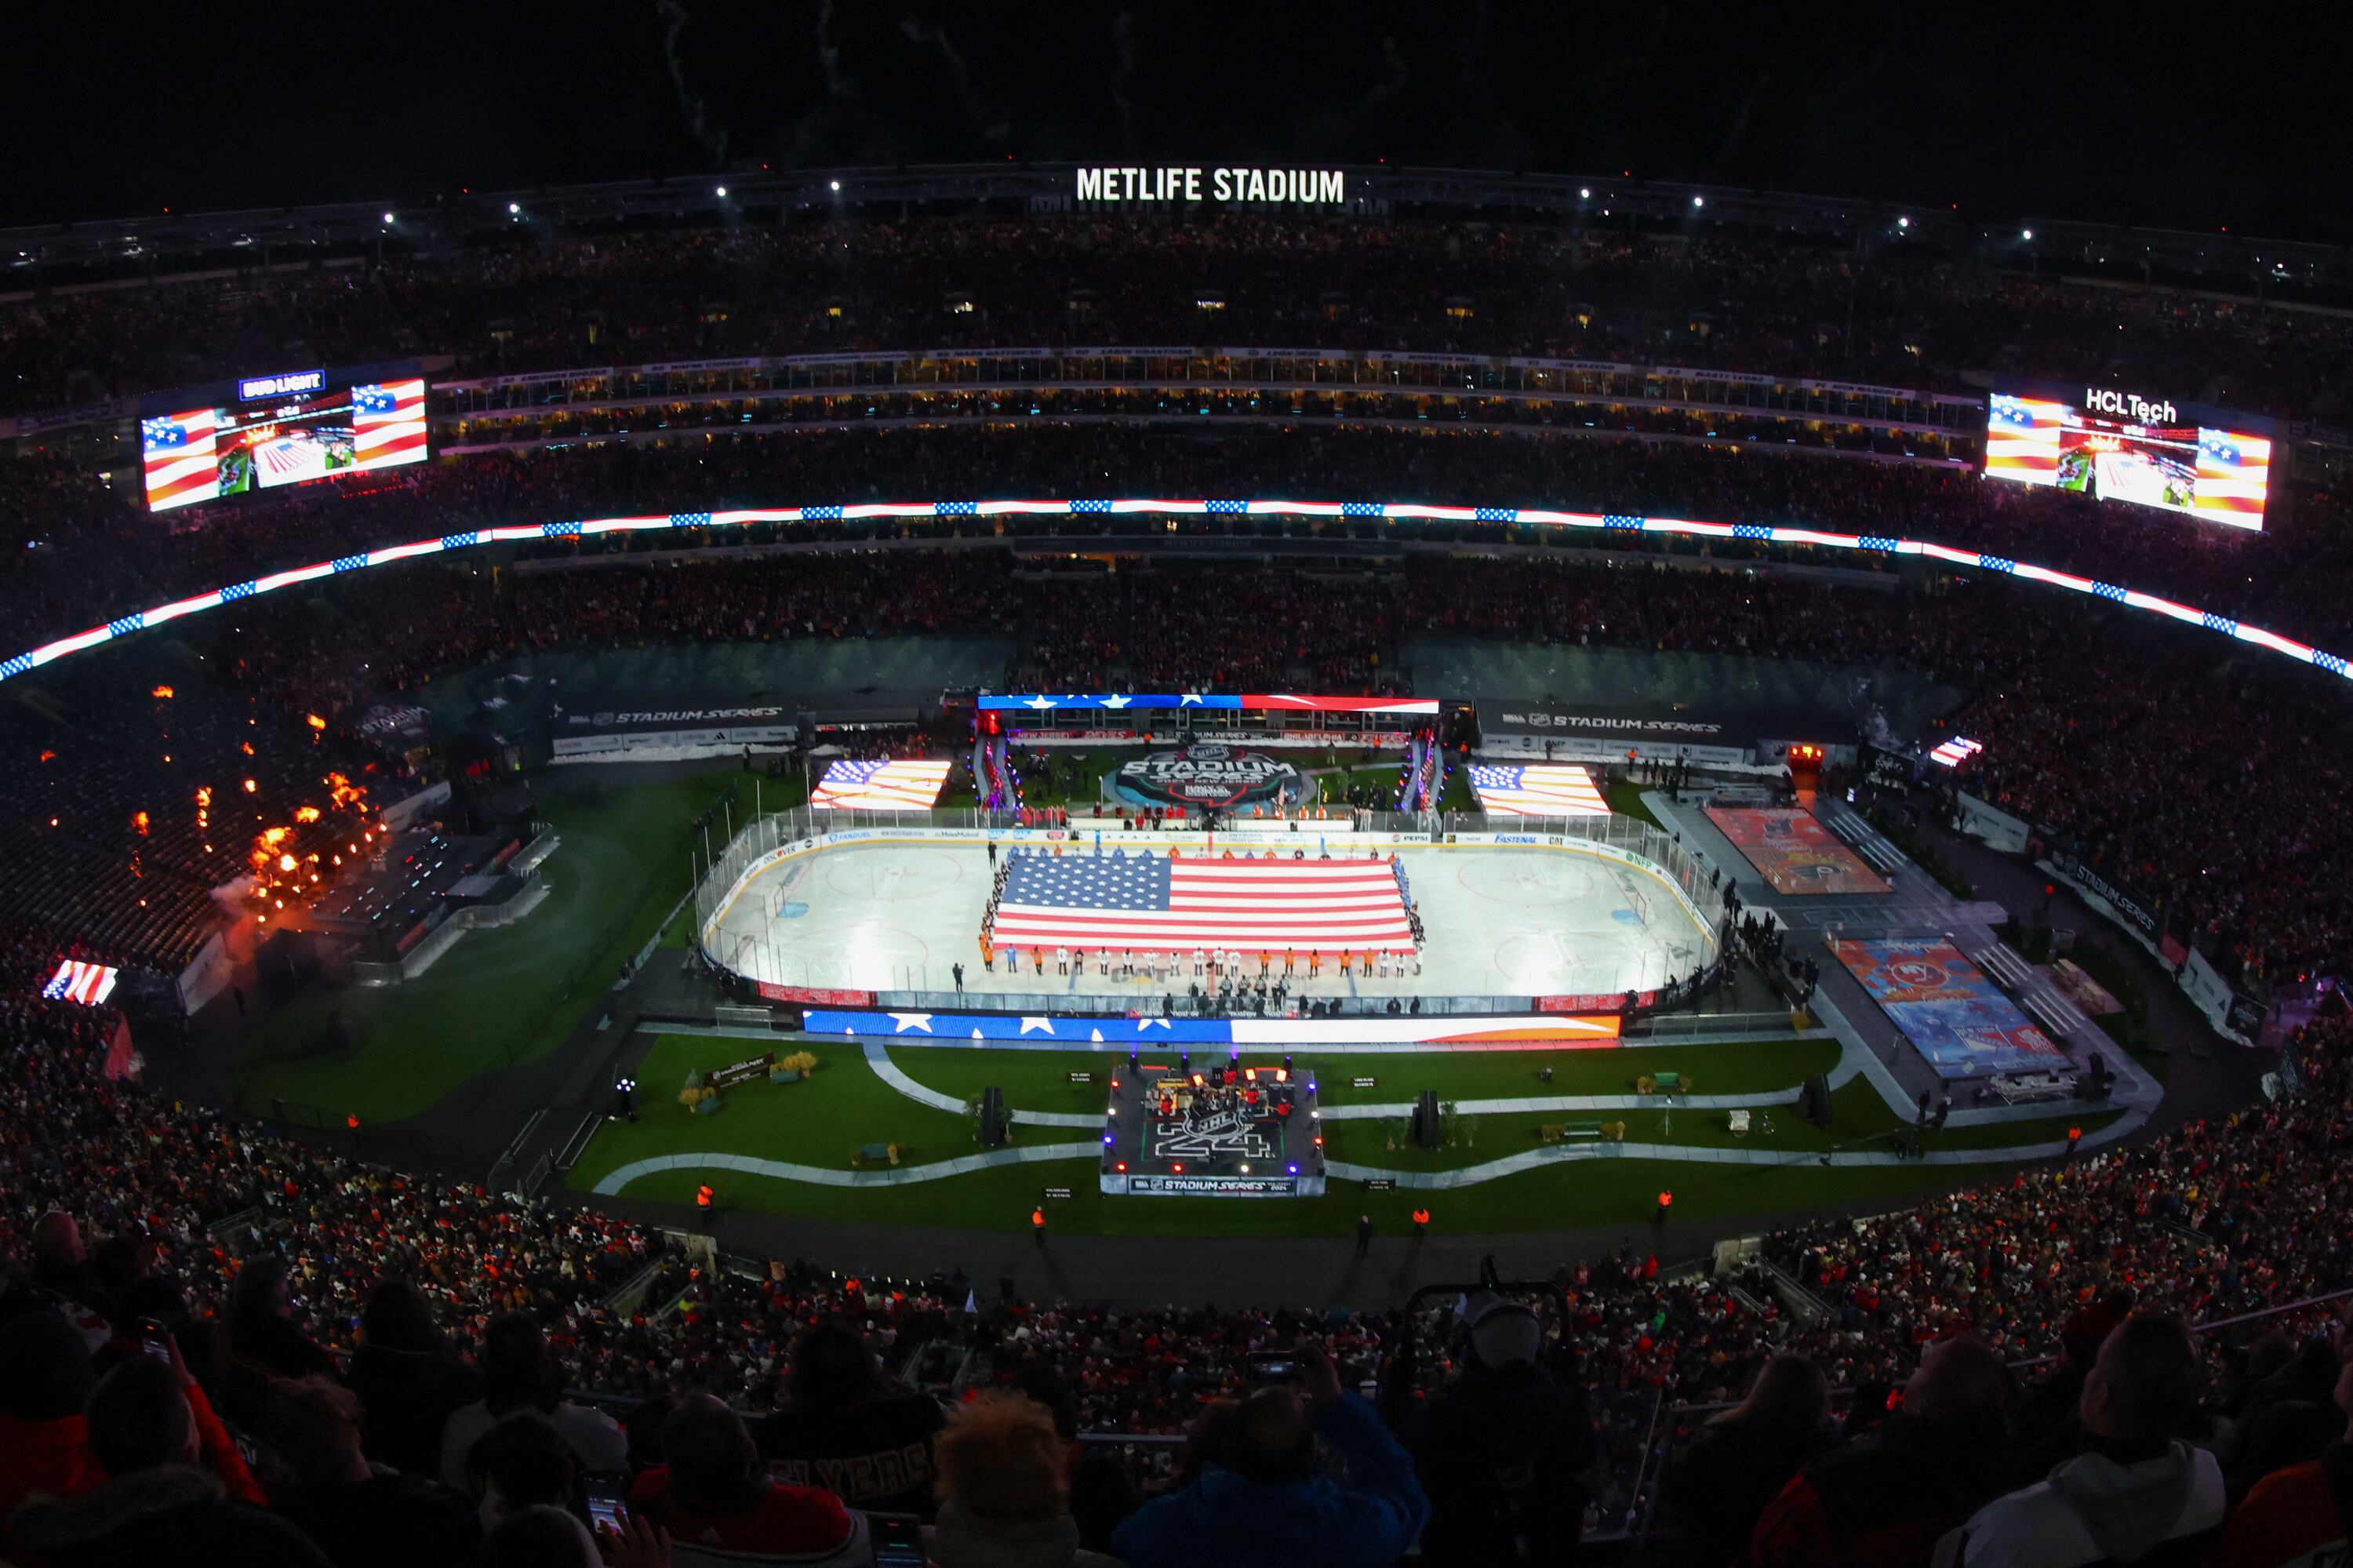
(1607, 524)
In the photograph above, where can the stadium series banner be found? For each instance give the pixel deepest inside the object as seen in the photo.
(667, 725)
(1207, 774)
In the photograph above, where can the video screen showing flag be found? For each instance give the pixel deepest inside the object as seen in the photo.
(2146, 455)
(87, 983)
(277, 438)
(903, 784)
(1159, 903)
(1547, 790)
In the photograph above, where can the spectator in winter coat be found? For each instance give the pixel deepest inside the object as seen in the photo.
(1261, 1500)
(1885, 1498)
(1502, 1449)
(2137, 1494)
(1744, 1457)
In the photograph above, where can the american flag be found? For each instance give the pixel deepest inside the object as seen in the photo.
(74, 981)
(908, 784)
(1553, 789)
(387, 424)
(180, 463)
(1159, 903)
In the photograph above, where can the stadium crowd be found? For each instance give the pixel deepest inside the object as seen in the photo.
(222, 1344)
(86, 550)
(1775, 303)
(329, 1324)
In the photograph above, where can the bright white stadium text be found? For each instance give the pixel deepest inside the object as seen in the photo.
(2130, 404)
(1171, 183)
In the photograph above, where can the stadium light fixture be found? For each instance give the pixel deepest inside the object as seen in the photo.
(833, 185)
(1903, 223)
(388, 218)
(1699, 201)
(1585, 193)
(2027, 234)
(722, 192)
(514, 209)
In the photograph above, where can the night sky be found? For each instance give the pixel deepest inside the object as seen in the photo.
(2175, 116)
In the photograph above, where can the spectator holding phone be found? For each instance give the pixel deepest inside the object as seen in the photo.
(1261, 1499)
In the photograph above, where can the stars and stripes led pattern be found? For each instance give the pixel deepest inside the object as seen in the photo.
(388, 424)
(76, 980)
(1549, 790)
(2233, 478)
(182, 463)
(905, 784)
(1154, 902)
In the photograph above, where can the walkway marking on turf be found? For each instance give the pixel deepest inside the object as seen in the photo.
(878, 1057)
(1787, 1097)
(1687, 1154)
(614, 1181)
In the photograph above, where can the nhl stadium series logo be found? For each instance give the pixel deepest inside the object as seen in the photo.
(1208, 775)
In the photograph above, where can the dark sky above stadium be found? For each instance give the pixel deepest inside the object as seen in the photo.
(2173, 115)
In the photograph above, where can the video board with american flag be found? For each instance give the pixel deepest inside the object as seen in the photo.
(1546, 790)
(897, 784)
(271, 437)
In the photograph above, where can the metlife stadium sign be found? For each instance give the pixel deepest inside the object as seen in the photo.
(1169, 183)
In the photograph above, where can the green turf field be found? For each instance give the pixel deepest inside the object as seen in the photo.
(498, 997)
(821, 1122)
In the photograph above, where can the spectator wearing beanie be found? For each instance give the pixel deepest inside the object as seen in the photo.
(264, 1345)
(1259, 1499)
(407, 1378)
(849, 1428)
(2137, 1494)
(362, 1515)
(1745, 1455)
(1886, 1499)
(2300, 1516)
(522, 1463)
(519, 1378)
(1502, 1450)
(159, 1506)
(721, 1506)
(45, 1380)
(59, 1263)
(1004, 1489)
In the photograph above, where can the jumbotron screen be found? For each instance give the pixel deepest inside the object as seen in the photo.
(282, 430)
(2133, 450)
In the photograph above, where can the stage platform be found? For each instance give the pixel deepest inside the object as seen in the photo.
(1214, 1126)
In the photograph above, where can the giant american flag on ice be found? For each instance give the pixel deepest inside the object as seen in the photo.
(905, 784)
(1157, 902)
(1552, 790)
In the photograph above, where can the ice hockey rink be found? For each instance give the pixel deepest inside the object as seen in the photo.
(1496, 920)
